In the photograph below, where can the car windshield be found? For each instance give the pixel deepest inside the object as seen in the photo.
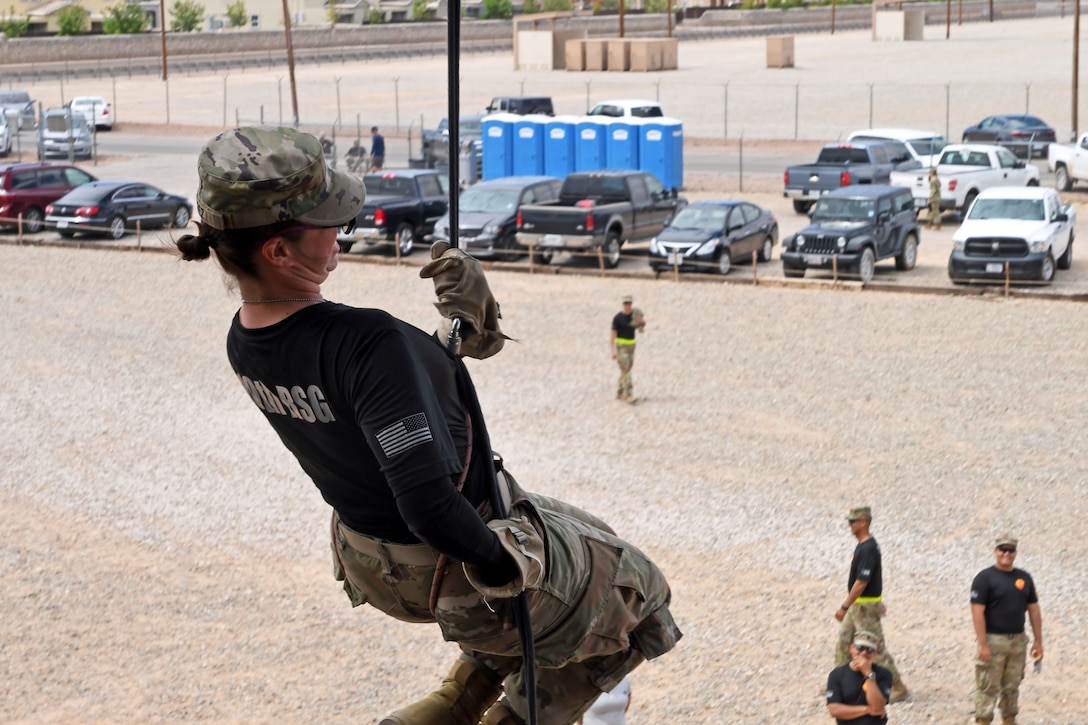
(706, 219)
(843, 155)
(965, 158)
(928, 146)
(647, 112)
(1024, 121)
(382, 185)
(838, 208)
(1026, 209)
(471, 128)
(475, 199)
(14, 97)
(58, 123)
(606, 109)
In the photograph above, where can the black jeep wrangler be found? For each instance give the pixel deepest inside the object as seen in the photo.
(852, 228)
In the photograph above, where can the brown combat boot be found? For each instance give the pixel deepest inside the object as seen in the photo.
(466, 693)
(500, 714)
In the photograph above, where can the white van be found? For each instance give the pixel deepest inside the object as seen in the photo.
(63, 131)
(926, 146)
(628, 107)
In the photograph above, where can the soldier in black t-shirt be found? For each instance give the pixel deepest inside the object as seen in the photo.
(1000, 596)
(858, 691)
(622, 342)
(863, 607)
(384, 419)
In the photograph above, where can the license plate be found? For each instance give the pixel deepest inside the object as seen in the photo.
(995, 267)
(815, 259)
(552, 240)
(62, 224)
(675, 258)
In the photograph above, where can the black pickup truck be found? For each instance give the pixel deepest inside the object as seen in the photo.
(402, 206)
(598, 210)
(845, 164)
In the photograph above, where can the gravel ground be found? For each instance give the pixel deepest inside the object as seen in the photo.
(164, 559)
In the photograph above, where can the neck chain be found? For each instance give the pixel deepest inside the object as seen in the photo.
(282, 299)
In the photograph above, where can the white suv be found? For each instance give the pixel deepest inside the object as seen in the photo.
(628, 107)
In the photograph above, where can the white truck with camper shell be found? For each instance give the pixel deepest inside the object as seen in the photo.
(1013, 233)
(965, 171)
(1069, 162)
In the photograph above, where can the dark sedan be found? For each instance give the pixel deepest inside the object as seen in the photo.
(709, 236)
(112, 207)
(487, 213)
(1022, 134)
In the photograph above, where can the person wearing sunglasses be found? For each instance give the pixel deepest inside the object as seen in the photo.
(1000, 597)
(858, 691)
(863, 607)
(384, 419)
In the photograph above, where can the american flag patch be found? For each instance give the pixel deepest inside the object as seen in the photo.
(404, 434)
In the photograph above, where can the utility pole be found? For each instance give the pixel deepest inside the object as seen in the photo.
(290, 63)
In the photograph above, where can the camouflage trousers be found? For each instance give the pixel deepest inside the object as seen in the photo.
(602, 609)
(997, 682)
(625, 358)
(865, 617)
(934, 218)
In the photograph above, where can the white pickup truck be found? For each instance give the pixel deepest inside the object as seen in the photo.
(1023, 233)
(965, 170)
(1069, 162)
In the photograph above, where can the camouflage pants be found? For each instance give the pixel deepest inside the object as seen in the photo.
(934, 212)
(625, 358)
(998, 681)
(865, 617)
(601, 611)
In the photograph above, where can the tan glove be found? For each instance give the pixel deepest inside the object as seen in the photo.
(522, 542)
(463, 293)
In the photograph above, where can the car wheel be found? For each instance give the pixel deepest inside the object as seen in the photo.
(345, 246)
(32, 220)
(181, 217)
(406, 233)
(725, 261)
(511, 250)
(1046, 272)
(116, 227)
(766, 250)
(802, 207)
(792, 273)
(866, 265)
(66, 234)
(1066, 260)
(611, 250)
(907, 258)
(1062, 181)
(1033, 182)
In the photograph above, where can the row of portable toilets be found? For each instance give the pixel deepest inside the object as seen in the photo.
(557, 146)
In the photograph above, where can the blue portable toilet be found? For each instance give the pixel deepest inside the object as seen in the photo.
(661, 150)
(590, 144)
(529, 145)
(623, 137)
(498, 145)
(560, 134)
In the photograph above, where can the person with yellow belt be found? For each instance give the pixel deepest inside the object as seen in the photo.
(863, 606)
(622, 342)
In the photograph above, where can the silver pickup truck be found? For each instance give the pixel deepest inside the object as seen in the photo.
(845, 164)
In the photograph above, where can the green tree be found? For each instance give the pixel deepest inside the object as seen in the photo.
(237, 15)
(530, 7)
(12, 26)
(188, 15)
(419, 10)
(657, 6)
(375, 17)
(72, 20)
(557, 6)
(123, 18)
(497, 9)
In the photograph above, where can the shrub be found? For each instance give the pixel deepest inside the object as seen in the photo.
(123, 18)
(188, 15)
(12, 26)
(497, 9)
(72, 20)
(237, 15)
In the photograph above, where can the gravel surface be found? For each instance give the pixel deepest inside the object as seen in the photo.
(164, 559)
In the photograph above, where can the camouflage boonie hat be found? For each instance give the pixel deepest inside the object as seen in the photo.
(257, 175)
(861, 512)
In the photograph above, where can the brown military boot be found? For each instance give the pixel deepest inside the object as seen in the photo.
(500, 714)
(466, 693)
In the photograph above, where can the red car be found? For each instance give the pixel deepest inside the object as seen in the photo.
(28, 188)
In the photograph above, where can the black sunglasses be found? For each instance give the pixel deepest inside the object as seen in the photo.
(345, 229)
(863, 648)
(1007, 549)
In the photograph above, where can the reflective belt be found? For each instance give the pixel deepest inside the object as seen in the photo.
(866, 600)
(624, 341)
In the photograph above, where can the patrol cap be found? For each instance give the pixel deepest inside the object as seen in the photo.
(860, 512)
(257, 175)
(627, 299)
(865, 639)
(1005, 540)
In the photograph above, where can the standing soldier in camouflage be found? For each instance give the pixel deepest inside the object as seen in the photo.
(385, 421)
(934, 201)
(1000, 595)
(622, 343)
(864, 606)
